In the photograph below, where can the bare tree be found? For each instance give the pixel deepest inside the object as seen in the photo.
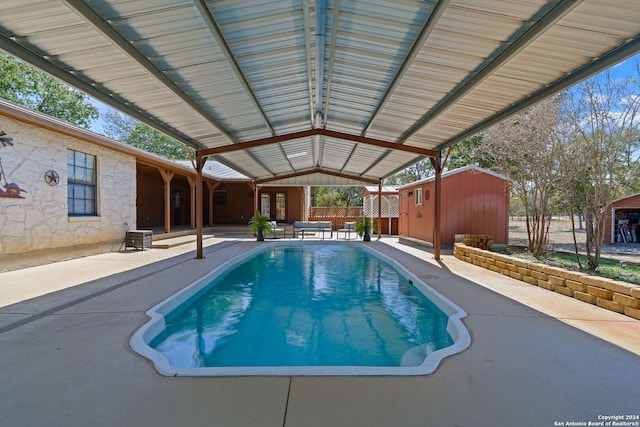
(524, 148)
(602, 117)
(461, 154)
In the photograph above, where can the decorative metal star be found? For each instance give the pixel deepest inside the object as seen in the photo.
(52, 177)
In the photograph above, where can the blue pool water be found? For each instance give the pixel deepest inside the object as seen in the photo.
(311, 305)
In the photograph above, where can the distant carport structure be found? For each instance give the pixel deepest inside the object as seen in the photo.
(324, 92)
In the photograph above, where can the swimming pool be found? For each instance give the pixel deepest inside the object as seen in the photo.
(304, 308)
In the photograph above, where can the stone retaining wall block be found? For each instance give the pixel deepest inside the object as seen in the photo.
(610, 305)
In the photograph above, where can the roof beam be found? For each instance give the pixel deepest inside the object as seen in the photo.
(235, 167)
(332, 59)
(378, 160)
(320, 38)
(307, 44)
(211, 23)
(632, 47)
(538, 28)
(257, 143)
(428, 27)
(67, 76)
(104, 28)
(320, 171)
(349, 157)
(312, 132)
(379, 143)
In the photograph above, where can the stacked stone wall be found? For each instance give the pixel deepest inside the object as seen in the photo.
(39, 220)
(613, 295)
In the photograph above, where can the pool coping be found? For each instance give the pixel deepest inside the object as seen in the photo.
(537, 357)
(143, 335)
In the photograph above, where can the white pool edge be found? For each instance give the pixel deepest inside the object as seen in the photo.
(140, 339)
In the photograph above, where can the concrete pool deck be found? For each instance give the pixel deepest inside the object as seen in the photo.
(536, 357)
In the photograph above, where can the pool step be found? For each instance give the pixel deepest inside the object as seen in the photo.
(172, 242)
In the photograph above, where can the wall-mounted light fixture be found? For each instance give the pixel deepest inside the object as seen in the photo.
(410, 193)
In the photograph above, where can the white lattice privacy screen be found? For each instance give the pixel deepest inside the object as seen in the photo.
(390, 206)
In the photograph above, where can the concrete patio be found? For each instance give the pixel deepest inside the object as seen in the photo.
(536, 358)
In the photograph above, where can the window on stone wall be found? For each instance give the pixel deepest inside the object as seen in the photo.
(81, 184)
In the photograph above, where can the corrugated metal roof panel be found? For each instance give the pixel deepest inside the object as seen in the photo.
(424, 73)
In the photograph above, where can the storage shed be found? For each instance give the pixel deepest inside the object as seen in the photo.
(474, 201)
(623, 220)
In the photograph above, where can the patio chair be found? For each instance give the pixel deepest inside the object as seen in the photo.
(349, 227)
(275, 230)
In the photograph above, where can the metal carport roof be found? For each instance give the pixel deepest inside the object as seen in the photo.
(326, 79)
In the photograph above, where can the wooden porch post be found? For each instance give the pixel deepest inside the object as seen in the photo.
(254, 187)
(437, 165)
(380, 210)
(211, 186)
(388, 199)
(200, 161)
(167, 176)
(192, 205)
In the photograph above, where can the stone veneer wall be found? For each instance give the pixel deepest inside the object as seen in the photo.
(39, 220)
(613, 295)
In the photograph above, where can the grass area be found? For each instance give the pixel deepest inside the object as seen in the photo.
(608, 268)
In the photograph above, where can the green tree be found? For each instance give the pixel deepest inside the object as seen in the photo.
(416, 172)
(130, 131)
(325, 198)
(459, 155)
(25, 85)
(337, 196)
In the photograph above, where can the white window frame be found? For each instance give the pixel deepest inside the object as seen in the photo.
(84, 178)
(418, 196)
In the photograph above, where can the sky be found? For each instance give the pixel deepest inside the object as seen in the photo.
(621, 70)
(626, 68)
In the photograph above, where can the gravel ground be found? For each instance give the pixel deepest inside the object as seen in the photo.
(559, 232)
(561, 238)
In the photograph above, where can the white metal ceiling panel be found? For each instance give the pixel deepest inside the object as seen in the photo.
(424, 73)
(530, 70)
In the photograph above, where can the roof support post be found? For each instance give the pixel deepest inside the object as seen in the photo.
(379, 209)
(200, 161)
(437, 165)
(254, 188)
(192, 201)
(167, 175)
(211, 186)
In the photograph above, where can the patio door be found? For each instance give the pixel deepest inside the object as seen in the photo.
(265, 204)
(274, 205)
(281, 207)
